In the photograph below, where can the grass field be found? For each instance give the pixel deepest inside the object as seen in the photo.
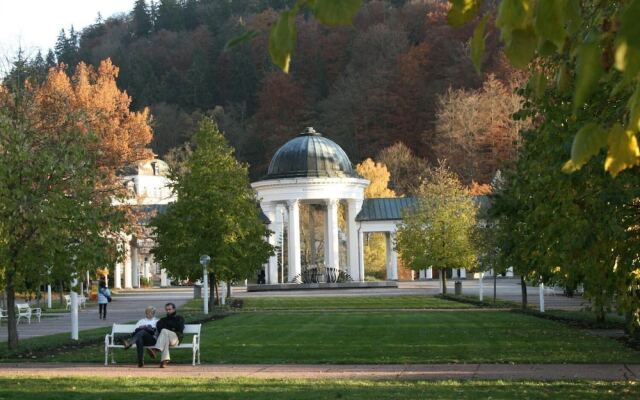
(255, 389)
(363, 337)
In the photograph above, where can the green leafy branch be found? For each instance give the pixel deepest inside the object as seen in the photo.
(600, 41)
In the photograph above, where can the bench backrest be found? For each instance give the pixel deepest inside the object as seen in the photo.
(189, 329)
(23, 307)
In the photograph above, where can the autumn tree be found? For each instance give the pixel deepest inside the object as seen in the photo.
(216, 214)
(405, 168)
(122, 134)
(375, 244)
(476, 130)
(438, 232)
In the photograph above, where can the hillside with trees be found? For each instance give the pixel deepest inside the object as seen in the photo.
(367, 86)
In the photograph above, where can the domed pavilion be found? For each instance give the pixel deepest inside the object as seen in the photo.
(313, 173)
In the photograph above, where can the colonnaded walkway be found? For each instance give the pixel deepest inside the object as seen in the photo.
(607, 372)
(128, 305)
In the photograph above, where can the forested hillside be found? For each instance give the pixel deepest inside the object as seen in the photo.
(366, 86)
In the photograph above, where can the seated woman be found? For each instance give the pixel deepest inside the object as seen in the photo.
(144, 335)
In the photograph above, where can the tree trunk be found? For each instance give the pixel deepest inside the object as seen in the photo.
(12, 327)
(443, 274)
(524, 292)
(495, 284)
(61, 293)
(600, 314)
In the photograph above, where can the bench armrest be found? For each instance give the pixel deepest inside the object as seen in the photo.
(108, 339)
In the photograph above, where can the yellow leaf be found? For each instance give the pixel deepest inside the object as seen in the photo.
(462, 11)
(587, 143)
(623, 150)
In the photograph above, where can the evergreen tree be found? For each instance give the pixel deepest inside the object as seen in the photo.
(190, 13)
(141, 16)
(169, 16)
(51, 59)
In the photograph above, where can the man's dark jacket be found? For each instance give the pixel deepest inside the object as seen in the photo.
(173, 323)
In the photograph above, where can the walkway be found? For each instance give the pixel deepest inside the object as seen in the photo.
(507, 289)
(128, 305)
(607, 372)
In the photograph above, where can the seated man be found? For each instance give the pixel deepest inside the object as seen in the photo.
(169, 330)
(144, 335)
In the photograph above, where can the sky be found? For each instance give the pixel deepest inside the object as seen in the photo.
(35, 24)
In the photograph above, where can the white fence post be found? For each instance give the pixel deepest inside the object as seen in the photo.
(49, 302)
(541, 288)
(481, 286)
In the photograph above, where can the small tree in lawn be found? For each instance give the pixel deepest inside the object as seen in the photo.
(216, 214)
(438, 231)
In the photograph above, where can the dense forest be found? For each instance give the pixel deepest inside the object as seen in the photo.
(366, 86)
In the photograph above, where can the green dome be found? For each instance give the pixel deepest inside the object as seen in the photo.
(310, 155)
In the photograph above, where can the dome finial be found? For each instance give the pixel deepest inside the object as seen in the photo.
(309, 131)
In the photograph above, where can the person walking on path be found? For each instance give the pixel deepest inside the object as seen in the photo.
(104, 297)
(170, 331)
(144, 334)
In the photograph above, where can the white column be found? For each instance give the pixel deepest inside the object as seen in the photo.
(205, 290)
(74, 310)
(361, 275)
(135, 267)
(332, 234)
(127, 265)
(271, 268)
(294, 239)
(481, 286)
(463, 273)
(510, 272)
(49, 300)
(279, 238)
(353, 208)
(392, 257)
(541, 295)
(163, 278)
(117, 275)
(429, 273)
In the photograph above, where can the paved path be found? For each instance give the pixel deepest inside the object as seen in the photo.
(126, 306)
(607, 372)
(507, 289)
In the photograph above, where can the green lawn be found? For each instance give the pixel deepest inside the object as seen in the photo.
(255, 389)
(388, 337)
(350, 302)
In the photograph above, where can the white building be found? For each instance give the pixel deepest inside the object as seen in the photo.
(149, 193)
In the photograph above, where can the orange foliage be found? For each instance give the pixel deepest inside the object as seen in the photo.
(102, 109)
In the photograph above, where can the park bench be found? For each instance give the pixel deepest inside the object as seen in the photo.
(25, 311)
(128, 329)
(82, 301)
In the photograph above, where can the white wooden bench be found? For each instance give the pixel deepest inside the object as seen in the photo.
(128, 329)
(25, 311)
(82, 301)
(3, 315)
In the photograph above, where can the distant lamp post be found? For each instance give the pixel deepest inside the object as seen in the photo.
(205, 260)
